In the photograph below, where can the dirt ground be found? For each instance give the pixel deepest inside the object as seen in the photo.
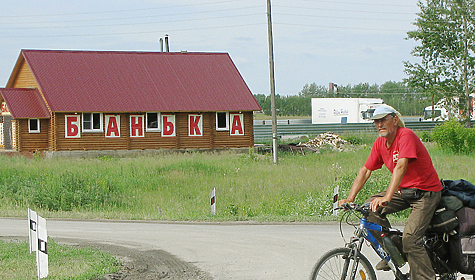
(141, 264)
(150, 265)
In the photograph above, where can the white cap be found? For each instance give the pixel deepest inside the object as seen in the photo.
(384, 110)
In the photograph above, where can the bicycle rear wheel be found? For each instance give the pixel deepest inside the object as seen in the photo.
(335, 263)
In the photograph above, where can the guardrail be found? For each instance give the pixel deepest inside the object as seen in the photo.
(264, 132)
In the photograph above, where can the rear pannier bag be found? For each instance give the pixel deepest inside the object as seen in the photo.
(462, 252)
(466, 218)
(444, 219)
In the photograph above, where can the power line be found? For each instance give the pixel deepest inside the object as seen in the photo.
(120, 11)
(135, 17)
(346, 10)
(131, 24)
(131, 33)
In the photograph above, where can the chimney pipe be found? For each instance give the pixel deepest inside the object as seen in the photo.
(167, 47)
(161, 44)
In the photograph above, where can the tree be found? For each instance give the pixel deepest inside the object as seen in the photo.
(313, 90)
(445, 30)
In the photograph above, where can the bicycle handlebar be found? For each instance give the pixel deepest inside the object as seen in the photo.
(356, 207)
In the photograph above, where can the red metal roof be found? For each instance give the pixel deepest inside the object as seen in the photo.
(25, 103)
(107, 81)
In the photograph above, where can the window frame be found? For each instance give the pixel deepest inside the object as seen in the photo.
(92, 129)
(159, 123)
(30, 130)
(218, 128)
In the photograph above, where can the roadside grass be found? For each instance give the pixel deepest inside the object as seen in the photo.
(177, 186)
(65, 262)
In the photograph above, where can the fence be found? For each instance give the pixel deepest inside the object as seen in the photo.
(264, 132)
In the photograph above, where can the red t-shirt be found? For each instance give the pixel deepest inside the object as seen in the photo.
(420, 172)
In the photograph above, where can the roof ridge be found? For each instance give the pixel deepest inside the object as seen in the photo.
(122, 51)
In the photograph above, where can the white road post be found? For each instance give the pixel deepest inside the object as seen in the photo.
(42, 250)
(213, 201)
(32, 230)
(335, 200)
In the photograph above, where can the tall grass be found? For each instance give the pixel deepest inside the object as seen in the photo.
(176, 187)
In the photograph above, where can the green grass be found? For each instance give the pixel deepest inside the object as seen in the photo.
(177, 186)
(63, 262)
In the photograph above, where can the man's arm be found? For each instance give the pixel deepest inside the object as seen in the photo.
(363, 176)
(396, 179)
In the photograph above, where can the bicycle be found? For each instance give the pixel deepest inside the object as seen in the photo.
(349, 263)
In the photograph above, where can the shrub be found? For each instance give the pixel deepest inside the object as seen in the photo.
(454, 137)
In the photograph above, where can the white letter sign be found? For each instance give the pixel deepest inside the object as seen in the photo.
(137, 126)
(237, 124)
(195, 125)
(168, 125)
(73, 123)
(112, 126)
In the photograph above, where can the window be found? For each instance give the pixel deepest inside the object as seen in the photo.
(222, 121)
(92, 122)
(153, 121)
(34, 126)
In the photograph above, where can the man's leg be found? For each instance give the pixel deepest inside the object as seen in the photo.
(395, 205)
(422, 211)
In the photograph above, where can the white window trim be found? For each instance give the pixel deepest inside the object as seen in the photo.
(227, 122)
(101, 119)
(34, 131)
(159, 128)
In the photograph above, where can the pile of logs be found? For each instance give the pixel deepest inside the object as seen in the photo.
(325, 139)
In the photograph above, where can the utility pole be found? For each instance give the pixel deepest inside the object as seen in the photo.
(272, 82)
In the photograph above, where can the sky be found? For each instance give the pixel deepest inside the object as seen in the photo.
(346, 42)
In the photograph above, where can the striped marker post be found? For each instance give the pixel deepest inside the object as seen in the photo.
(42, 250)
(32, 227)
(213, 201)
(38, 237)
(335, 200)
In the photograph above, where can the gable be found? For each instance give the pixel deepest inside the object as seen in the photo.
(21, 76)
(101, 81)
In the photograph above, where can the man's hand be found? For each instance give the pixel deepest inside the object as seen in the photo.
(378, 202)
(343, 201)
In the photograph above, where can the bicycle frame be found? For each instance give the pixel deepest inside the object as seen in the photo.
(362, 233)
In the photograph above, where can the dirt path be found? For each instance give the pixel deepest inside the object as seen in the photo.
(146, 265)
(138, 264)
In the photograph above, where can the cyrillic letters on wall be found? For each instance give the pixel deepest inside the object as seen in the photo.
(73, 124)
(112, 126)
(168, 125)
(137, 126)
(195, 125)
(237, 124)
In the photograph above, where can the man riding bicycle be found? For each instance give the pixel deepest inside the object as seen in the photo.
(414, 183)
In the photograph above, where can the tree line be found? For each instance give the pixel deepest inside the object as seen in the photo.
(397, 94)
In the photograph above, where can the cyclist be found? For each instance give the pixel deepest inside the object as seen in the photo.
(414, 183)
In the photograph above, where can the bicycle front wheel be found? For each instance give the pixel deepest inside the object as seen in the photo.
(335, 263)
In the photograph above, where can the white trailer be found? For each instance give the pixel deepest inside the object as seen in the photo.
(444, 111)
(343, 110)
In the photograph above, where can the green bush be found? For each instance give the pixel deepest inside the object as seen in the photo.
(454, 137)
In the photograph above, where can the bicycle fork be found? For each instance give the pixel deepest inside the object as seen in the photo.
(355, 245)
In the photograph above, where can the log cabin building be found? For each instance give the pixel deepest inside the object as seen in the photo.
(114, 100)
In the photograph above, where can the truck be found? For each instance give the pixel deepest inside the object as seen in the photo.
(344, 110)
(444, 111)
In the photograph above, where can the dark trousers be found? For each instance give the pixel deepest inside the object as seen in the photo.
(423, 205)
